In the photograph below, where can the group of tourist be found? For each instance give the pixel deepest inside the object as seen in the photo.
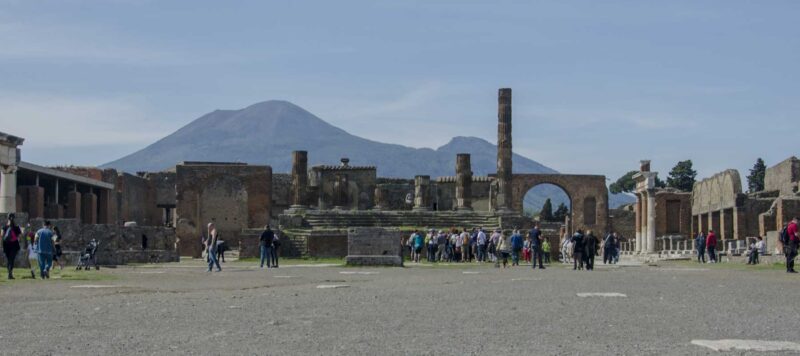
(467, 245)
(706, 244)
(43, 246)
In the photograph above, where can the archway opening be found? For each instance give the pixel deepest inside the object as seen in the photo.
(547, 203)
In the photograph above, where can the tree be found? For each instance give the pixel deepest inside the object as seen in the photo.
(624, 184)
(561, 213)
(755, 181)
(660, 183)
(546, 214)
(682, 176)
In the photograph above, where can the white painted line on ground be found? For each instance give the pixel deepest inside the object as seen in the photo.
(525, 279)
(748, 345)
(358, 272)
(152, 272)
(235, 307)
(283, 276)
(95, 286)
(315, 265)
(332, 286)
(602, 295)
(470, 272)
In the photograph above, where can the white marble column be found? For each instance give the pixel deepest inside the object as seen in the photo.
(651, 221)
(8, 189)
(638, 224)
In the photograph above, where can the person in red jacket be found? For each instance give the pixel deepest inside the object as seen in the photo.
(791, 249)
(711, 246)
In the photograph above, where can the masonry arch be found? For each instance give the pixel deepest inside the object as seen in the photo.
(588, 194)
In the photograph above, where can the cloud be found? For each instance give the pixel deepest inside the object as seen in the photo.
(62, 121)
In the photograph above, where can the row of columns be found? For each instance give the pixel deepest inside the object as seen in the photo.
(645, 222)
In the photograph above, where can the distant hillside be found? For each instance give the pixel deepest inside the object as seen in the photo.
(267, 133)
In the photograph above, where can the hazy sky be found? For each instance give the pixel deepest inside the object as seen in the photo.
(597, 85)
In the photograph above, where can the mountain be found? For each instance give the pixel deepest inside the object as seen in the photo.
(267, 133)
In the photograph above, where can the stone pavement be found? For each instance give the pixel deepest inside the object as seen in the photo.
(455, 309)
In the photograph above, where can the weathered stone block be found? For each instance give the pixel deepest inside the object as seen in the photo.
(374, 246)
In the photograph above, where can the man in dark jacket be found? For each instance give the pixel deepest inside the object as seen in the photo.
(577, 250)
(590, 244)
(536, 246)
(266, 240)
(700, 245)
(11, 233)
(608, 248)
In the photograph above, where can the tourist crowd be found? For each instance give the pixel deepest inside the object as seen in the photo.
(43, 246)
(468, 245)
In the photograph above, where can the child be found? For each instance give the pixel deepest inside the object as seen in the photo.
(33, 253)
(546, 250)
(526, 250)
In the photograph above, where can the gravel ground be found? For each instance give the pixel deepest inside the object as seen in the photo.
(181, 309)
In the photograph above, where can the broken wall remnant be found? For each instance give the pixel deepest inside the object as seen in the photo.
(234, 196)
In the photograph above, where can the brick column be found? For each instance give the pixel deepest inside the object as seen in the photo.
(89, 208)
(463, 182)
(299, 179)
(504, 153)
(73, 205)
(422, 193)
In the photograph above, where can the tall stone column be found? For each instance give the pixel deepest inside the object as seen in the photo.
(651, 221)
(8, 189)
(299, 179)
(638, 223)
(504, 153)
(643, 222)
(422, 193)
(463, 182)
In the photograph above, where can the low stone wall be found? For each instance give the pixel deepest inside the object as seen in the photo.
(327, 244)
(118, 245)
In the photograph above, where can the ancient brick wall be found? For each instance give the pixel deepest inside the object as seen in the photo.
(444, 193)
(233, 196)
(588, 196)
(360, 190)
(783, 177)
(281, 193)
(136, 200)
(327, 244)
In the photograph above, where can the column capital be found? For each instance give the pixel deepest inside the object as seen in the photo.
(9, 169)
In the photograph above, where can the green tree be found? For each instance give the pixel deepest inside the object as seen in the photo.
(682, 176)
(755, 181)
(660, 183)
(624, 184)
(561, 212)
(546, 214)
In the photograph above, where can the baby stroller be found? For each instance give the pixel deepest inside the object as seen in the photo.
(88, 257)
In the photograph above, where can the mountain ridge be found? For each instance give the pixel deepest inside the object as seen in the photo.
(267, 132)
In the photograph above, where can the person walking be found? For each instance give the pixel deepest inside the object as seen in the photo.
(57, 255)
(418, 243)
(791, 247)
(33, 251)
(46, 249)
(700, 246)
(711, 246)
(566, 246)
(577, 250)
(516, 247)
(431, 245)
(266, 246)
(536, 246)
(276, 250)
(617, 246)
(493, 242)
(761, 248)
(211, 247)
(590, 246)
(546, 251)
(504, 247)
(441, 246)
(608, 248)
(11, 234)
(526, 250)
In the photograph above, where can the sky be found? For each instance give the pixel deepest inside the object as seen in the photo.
(597, 85)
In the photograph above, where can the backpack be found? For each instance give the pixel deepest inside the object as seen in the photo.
(784, 238)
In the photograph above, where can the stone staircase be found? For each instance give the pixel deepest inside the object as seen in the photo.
(437, 220)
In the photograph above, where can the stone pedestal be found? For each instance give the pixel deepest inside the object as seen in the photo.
(374, 246)
(8, 189)
(380, 198)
